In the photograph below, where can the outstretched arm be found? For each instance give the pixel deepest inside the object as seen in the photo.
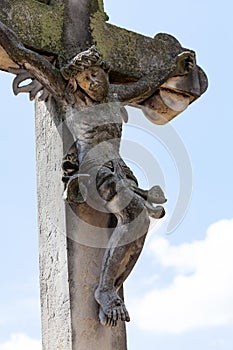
(138, 91)
(147, 85)
(36, 64)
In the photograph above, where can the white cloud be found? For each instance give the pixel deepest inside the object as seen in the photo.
(21, 342)
(201, 292)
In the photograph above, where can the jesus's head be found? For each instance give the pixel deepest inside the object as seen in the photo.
(90, 72)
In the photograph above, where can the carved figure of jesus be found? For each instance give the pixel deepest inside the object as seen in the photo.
(110, 183)
(94, 170)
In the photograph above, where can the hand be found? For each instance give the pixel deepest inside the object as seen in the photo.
(185, 62)
(32, 88)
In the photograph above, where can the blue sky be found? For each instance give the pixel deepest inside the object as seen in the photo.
(180, 293)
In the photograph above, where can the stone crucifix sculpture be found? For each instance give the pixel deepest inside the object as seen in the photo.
(89, 92)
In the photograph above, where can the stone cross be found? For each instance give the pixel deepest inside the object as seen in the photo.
(84, 71)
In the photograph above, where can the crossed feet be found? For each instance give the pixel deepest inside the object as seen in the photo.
(112, 308)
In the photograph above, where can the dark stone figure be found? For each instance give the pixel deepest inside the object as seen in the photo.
(94, 171)
(98, 139)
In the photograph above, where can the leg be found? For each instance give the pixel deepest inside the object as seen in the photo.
(124, 273)
(122, 252)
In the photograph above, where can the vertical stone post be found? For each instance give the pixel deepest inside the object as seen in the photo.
(54, 279)
(69, 268)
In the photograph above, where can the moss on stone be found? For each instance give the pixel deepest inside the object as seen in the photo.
(98, 28)
(37, 25)
(51, 27)
(131, 54)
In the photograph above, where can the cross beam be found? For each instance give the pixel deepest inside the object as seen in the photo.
(48, 30)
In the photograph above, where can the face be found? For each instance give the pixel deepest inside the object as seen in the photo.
(94, 81)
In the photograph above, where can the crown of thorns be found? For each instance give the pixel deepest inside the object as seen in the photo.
(83, 60)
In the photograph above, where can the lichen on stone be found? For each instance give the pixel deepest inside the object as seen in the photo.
(37, 25)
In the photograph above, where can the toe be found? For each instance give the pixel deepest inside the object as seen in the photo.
(119, 313)
(109, 322)
(114, 315)
(114, 323)
(123, 316)
(127, 318)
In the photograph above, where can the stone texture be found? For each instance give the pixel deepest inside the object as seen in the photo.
(70, 257)
(55, 30)
(44, 24)
(54, 286)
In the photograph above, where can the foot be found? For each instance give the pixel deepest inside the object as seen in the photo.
(112, 308)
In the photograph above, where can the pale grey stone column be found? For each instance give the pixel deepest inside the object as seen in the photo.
(54, 287)
(70, 253)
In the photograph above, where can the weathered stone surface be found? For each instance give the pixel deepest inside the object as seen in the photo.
(68, 281)
(84, 270)
(43, 29)
(77, 35)
(54, 286)
(55, 30)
